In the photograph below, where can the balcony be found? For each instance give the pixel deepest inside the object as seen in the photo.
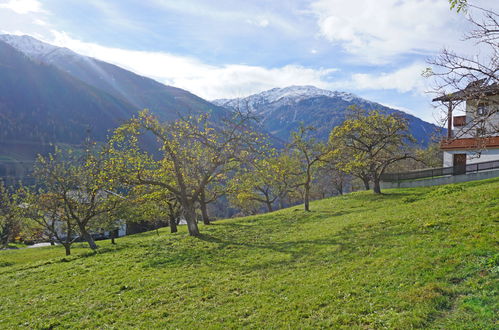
(470, 143)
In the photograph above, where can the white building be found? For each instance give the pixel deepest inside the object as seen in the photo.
(472, 137)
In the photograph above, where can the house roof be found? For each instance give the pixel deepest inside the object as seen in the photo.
(474, 90)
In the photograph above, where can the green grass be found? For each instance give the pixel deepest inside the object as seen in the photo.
(413, 258)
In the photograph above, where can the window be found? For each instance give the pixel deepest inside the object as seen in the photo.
(481, 109)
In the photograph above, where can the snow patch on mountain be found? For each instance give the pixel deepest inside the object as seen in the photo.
(278, 97)
(38, 50)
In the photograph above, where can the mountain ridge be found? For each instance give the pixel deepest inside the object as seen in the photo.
(167, 102)
(283, 110)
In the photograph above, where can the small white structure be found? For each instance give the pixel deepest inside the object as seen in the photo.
(473, 137)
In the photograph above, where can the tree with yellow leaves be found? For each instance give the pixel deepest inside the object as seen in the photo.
(369, 142)
(194, 155)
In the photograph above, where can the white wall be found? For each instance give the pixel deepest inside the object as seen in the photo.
(492, 122)
(122, 229)
(442, 180)
(473, 157)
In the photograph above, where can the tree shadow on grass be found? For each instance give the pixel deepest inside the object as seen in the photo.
(76, 255)
(224, 251)
(238, 249)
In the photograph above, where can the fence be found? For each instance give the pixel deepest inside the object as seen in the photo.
(441, 171)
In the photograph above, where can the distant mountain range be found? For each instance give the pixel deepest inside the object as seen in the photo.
(283, 110)
(52, 95)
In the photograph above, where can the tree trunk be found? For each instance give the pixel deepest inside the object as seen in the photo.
(307, 197)
(281, 202)
(4, 238)
(339, 189)
(377, 187)
(173, 224)
(87, 237)
(339, 186)
(67, 246)
(203, 207)
(204, 211)
(366, 183)
(190, 218)
(269, 206)
(114, 234)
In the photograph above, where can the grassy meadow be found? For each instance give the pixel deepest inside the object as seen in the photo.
(411, 258)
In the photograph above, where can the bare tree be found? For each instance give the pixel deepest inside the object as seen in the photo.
(460, 78)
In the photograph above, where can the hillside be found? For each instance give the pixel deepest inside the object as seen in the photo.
(282, 110)
(423, 257)
(40, 105)
(140, 92)
(52, 95)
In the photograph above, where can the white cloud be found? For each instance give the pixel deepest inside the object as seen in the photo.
(407, 79)
(208, 81)
(23, 6)
(375, 31)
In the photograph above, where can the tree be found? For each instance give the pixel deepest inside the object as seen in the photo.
(47, 211)
(428, 157)
(9, 215)
(80, 185)
(265, 181)
(309, 153)
(332, 178)
(194, 154)
(458, 78)
(154, 205)
(370, 142)
(459, 5)
(210, 194)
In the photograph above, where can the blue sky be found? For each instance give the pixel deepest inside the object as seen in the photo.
(219, 49)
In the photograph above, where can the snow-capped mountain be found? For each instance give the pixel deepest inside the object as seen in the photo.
(140, 92)
(38, 50)
(51, 95)
(280, 97)
(283, 110)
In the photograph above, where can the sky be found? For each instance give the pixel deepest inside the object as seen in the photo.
(376, 49)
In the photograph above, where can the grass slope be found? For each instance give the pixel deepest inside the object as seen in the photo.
(423, 257)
